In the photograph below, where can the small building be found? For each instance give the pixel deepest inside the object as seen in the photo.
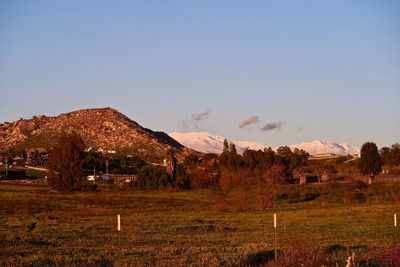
(105, 177)
(307, 178)
(123, 178)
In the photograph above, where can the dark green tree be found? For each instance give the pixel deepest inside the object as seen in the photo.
(395, 154)
(234, 158)
(232, 149)
(370, 160)
(182, 180)
(93, 160)
(386, 156)
(250, 159)
(229, 157)
(391, 156)
(299, 159)
(279, 172)
(284, 151)
(154, 177)
(65, 163)
(191, 160)
(268, 157)
(226, 146)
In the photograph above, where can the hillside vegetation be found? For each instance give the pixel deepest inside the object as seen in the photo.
(104, 128)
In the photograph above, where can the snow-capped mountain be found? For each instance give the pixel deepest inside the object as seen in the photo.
(243, 145)
(323, 147)
(209, 143)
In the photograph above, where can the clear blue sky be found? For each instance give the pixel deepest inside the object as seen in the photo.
(325, 69)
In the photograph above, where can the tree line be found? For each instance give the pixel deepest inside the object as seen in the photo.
(69, 163)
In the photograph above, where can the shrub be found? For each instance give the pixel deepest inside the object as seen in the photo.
(265, 196)
(13, 174)
(242, 199)
(387, 256)
(282, 196)
(182, 180)
(294, 196)
(202, 179)
(221, 202)
(309, 196)
(89, 187)
(358, 197)
(305, 253)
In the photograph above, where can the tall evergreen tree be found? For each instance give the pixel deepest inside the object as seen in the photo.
(65, 163)
(370, 161)
(226, 146)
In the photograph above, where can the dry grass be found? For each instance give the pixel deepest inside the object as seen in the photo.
(41, 228)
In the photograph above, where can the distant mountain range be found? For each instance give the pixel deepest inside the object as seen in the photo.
(327, 147)
(109, 129)
(104, 128)
(208, 143)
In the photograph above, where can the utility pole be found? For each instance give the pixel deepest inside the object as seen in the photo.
(395, 231)
(94, 174)
(119, 238)
(6, 166)
(275, 242)
(395, 228)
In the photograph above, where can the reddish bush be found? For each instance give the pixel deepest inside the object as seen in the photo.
(202, 179)
(387, 256)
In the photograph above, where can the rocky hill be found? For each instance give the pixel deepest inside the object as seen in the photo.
(104, 128)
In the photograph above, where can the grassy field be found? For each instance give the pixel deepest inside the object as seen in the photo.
(40, 227)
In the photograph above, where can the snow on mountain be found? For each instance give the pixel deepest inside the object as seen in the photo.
(323, 147)
(208, 143)
(243, 145)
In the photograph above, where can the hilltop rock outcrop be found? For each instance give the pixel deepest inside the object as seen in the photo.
(104, 128)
